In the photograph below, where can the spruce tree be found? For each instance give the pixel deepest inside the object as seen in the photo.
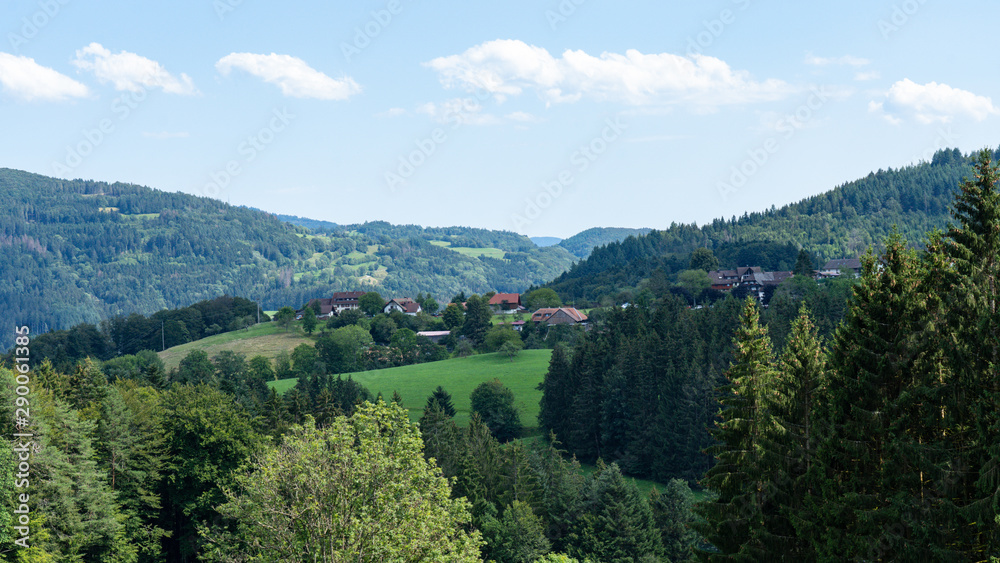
(443, 399)
(878, 459)
(736, 522)
(968, 266)
(800, 372)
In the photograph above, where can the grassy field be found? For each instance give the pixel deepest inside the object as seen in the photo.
(459, 377)
(265, 339)
(473, 252)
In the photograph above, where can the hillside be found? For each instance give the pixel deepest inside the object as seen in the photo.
(583, 243)
(841, 223)
(82, 251)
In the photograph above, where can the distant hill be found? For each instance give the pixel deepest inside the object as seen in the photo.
(841, 223)
(546, 241)
(82, 251)
(581, 244)
(311, 224)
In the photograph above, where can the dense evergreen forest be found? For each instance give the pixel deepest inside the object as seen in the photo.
(841, 223)
(82, 251)
(582, 243)
(865, 432)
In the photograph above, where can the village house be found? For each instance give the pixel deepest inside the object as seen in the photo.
(835, 268)
(404, 305)
(559, 316)
(506, 302)
(327, 307)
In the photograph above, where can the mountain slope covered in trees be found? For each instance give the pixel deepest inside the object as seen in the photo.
(840, 223)
(81, 251)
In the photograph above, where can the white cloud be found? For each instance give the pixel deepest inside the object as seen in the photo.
(22, 77)
(521, 116)
(391, 112)
(295, 78)
(166, 135)
(458, 111)
(867, 75)
(508, 67)
(131, 72)
(930, 103)
(847, 60)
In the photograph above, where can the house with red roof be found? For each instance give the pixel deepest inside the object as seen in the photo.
(506, 302)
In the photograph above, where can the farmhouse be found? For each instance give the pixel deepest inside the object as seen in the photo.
(834, 268)
(559, 316)
(403, 305)
(506, 302)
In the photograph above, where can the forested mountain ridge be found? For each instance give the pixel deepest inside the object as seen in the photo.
(582, 243)
(840, 223)
(81, 251)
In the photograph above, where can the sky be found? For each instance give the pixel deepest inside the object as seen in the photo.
(543, 117)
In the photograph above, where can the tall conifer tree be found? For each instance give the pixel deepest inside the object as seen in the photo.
(737, 521)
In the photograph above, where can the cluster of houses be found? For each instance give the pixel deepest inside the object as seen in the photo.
(756, 279)
(506, 303)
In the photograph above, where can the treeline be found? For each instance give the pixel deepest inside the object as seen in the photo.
(640, 388)
(128, 335)
(582, 243)
(841, 223)
(529, 501)
(880, 443)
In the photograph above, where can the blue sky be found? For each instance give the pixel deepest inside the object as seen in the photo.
(542, 117)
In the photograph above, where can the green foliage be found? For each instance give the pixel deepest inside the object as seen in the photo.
(804, 264)
(541, 298)
(516, 537)
(741, 519)
(195, 369)
(495, 405)
(284, 317)
(440, 399)
(616, 523)
(357, 490)
(673, 512)
(371, 303)
(341, 349)
(511, 349)
(582, 243)
(309, 321)
(499, 335)
(694, 281)
(478, 319)
(453, 317)
(703, 259)
(208, 437)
